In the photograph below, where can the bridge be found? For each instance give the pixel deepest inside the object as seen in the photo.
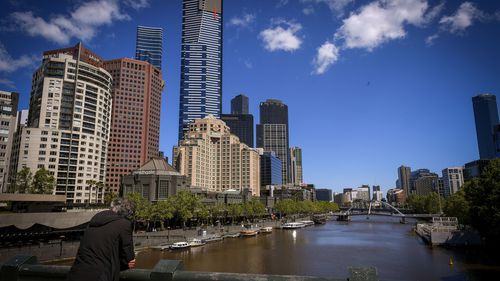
(389, 210)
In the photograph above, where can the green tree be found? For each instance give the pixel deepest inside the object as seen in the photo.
(142, 207)
(43, 182)
(234, 211)
(457, 206)
(24, 179)
(218, 211)
(162, 210)
(483, 195)
(432, 203)
(286, 207)
(109, 196)
(185, 203)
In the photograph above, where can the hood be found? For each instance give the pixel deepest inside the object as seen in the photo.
(103, 218)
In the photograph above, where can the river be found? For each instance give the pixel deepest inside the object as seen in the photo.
(329, 250)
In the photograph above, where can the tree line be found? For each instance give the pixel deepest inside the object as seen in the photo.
(42, 182)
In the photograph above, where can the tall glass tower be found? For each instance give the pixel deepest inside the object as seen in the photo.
(149, 45)
(486, 117)
(201, 61)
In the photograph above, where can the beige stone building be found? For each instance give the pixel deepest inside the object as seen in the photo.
(215, 160)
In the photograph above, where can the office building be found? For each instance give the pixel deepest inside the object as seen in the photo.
(486, 119)
(135, 122)
(270, 169)
(296, 165)
(404, 175)
(215, 160)
(377, 194)
(155, 180)
(396, 196)
(149, 45)
(475, 168)
(423, 181)
(239, 105)
(324, 194)
(453, 179)
(363, 193)
(201, 61)
(273, 134)
(69, 122)
(8, 112)
(439, 188)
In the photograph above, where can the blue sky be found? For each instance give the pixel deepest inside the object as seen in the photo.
(370, 85)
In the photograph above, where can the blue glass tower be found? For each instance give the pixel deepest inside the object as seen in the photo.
(201, 61)
(149, 45)
(486, 117)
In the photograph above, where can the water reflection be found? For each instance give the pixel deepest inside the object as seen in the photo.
(294, 235)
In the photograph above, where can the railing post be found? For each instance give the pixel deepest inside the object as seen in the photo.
(10, 269)
(164, 270)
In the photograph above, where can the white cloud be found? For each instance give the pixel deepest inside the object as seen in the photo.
(248, 64)
(309, 10)
(429, 41)
(282, 35)
(336, 6)
(463, 18)
(9, 64)
(82, 23)
(137, 4)
(244, 21)
(326, 55)
(8, 83)
(434, 12)
(381, 21)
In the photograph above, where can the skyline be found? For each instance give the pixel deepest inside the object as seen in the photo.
(460, 62)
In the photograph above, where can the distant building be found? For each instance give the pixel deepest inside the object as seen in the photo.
(215, 160)
(474, 169)
(296, 176)
(149, 45)
(453, 179)
(239, 105)
(155, 180)
(270, 169)
(423, 181)
(241, 125)
(363, 193)
(404, 176)
(377, 193)
(486, 119)
(8, 120)
(396, 196)
(439, 188)
(273, 132)
(135, 121)
(324, 194)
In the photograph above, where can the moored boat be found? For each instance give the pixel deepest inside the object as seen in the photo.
(319, 219)
(212, 238)
(307, 223)
(248, 232)
(179, 245)
(266, 229)
(196, 243)
(292, 225)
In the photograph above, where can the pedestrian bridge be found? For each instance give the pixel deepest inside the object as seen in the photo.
(388, 210)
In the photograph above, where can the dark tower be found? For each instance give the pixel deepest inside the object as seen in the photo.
(486, 117)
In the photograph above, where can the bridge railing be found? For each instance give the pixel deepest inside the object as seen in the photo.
(26, 268)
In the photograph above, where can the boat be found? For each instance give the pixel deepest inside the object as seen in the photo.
(292, 225)
(266, 229)
(319, 219)
(231, 235)
(196, 243)
(248, 232)
(307, 223)
(179, 245)
(212, 238)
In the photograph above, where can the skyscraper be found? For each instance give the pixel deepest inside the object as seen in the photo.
(241, 124)
(135, 121)
(239, 105)
(404, 175)
(201, 61)
(270, 169)
(453, 179)
(486, 117)
(8, 119)
(296, 165)
(272, 132)
(68, 123)
(149, 45)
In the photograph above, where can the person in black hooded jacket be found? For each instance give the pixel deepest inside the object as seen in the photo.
(106, 247)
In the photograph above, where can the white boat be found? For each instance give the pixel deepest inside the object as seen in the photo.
(248, 232)
(196, 243)
(266, 229)
(292, 225)
(307, 223)
(231, 235)
(179, 245)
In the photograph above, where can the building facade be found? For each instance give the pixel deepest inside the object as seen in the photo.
(241, 125)
(453, 179)
(377, 194)
(270, 169)
(155, 180)
(201, 61)
(475, 168)
(239, 105)
(8, 119)
(404, 176)
(296, 176)
(135, 122)
(149, 45)
(486, 119)
(69, 122)
(423, 182)
(215, 160)
(324, 194)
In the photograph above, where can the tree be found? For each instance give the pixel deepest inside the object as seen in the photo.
(109, 196)
(483, 195)
(161, 211)
(424, 204)
(185, 203)
(43, 182)
(235, 210)
(141, 207)
(23, 180)
(91, 184)
(218, 210)
(457, 206)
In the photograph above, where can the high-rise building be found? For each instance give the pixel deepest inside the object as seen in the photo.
(486, 118)
(296, 176)
(324, 194)
(404, 175)
(453, 179)
(213, 159)
(149, 45)
(201, 61)
(239, 105)
(273, 132)
(423, 181)
(475, 168)
(69, 121)
(8, 113)
(135, 121)
(363, 193)
(270, 169)
(241, 125)
(377, 194)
